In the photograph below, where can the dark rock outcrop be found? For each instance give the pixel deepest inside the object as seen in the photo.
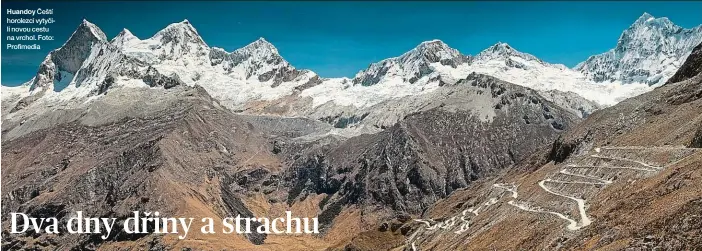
(431, 153)
(692, 66)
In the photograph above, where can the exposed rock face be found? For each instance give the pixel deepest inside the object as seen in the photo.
(692, 66)
(433, 152)
(625, 178)
(153, 78)
(697, 140)
(677, 231)
(572, 102)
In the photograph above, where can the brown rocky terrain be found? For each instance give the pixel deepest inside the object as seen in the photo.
(477, 164)
(626, 178)
(453, 176)
(182, 157)
(178, 152)
(430, 154)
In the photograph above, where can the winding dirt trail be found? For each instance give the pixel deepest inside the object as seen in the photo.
(584, 220)
(607, 182)
(627, 160)
(570, 175)
(611, 167)
(572, 224)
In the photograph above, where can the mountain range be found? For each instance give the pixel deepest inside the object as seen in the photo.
(432, 149)
(256, 79)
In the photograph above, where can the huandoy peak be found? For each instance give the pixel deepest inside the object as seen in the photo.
(68, 59)
(92, 29)
(86, 32)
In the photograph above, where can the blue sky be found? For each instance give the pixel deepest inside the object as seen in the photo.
(338, 39)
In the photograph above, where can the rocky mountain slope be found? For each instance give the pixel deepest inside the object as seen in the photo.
(180, 152)
(613, 182)
(466, 132)
(430, 149)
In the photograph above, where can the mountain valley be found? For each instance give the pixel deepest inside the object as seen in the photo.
(429, 150)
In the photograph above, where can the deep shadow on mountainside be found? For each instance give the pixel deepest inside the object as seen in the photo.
(635, 166)
(179, 152)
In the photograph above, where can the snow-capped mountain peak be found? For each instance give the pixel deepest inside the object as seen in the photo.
(61, 64)
(87, 33)
(649, 51)
(431, 51)
(649, 20)
(123, 37)
(125, 33)
(260, 48)
(91, 30)
(644, 18)
(433, 46)
(181, 32)
(178, 42)
(412, 65)
(259, 59)
(499, 48)
(433, 42)
(503, 51)
(648, 27)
